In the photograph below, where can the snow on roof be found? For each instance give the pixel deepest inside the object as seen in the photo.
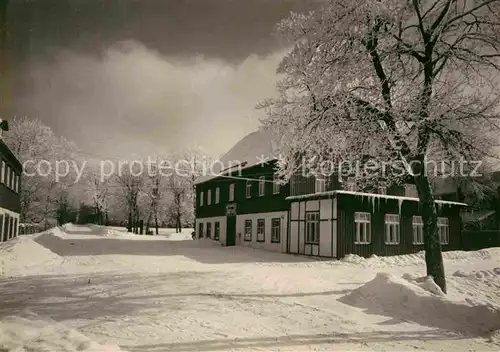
(305, 196)
(477, 215)
(248, 152)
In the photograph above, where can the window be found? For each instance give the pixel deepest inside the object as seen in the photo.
(216, 230)
(249, 189)
(6, 229)
(312, 227)
(276, 185)
(363, 228)
(3, 171)
(382, 188)
(217, 195)
(209, 230)
(261, 230)
(320, 184)
(443, 230)
(11, 233)
(7, 176)
(16, 228)
(276, 230)
(351, 184)
(209, 197)
(262, 185)
(248, 230)
(201, 199)
(391, 229)
(231, 192)
(200, 230)
(418, 230)
(1, 227)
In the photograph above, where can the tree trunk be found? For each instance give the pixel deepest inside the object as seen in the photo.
(148, 221)
(432, 243)
(178, 223)
(156, 221)
(129, 225)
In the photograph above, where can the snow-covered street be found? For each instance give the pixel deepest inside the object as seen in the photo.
(74, 288)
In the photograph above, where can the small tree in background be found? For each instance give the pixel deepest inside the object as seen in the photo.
(398, 81)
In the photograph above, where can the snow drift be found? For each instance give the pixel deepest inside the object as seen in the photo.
(417, 258)
(420, 300)
(32, 333)
(23, 254)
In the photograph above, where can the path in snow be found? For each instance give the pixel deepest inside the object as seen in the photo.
(149, 293)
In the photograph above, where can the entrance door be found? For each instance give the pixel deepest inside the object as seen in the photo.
(231, 231)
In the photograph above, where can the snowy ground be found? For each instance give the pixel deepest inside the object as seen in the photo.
(91, 289)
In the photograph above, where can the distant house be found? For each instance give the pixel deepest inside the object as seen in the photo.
(324, 217)
(10, 186)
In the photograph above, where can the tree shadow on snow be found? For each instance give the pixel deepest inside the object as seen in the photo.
(284, 342)
(203, 251)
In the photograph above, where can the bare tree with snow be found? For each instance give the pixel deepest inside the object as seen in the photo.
(43, 195)
(392, 80)
(129, 186)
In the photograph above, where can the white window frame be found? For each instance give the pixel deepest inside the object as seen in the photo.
(201, 198)
(418, 230)
(392, 227)
(320, 184)
(7, 176)
(363, 221)
(247, 236)
(217, 195)
(262, 186)
(382, 188)
(248, 189)
(276, 185)
(275, 230)
(351, 184)
(209, 197)
(216, 230)
(261, 230)
(231, 192)
(444, 230)
(3, 171)
(312, 227)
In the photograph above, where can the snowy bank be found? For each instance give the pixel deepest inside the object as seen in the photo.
(418, 258)
(30, 332)
(92, 229)
(420, 300)
(22, 255)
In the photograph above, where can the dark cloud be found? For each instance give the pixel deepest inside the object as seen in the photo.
(135, 75)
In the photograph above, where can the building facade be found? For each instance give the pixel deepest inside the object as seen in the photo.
(248, 209)
(10, 187)
(325, 217)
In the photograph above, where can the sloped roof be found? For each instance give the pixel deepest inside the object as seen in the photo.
(248, 152)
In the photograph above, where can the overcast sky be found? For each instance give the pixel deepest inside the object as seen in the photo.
(132, 76)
